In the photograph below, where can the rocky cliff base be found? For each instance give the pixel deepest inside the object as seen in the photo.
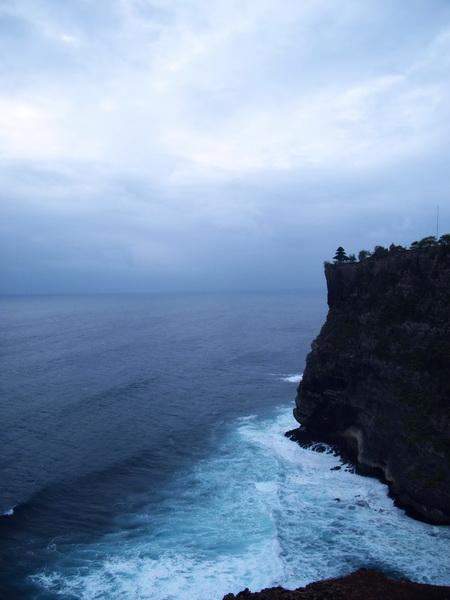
(361, 585)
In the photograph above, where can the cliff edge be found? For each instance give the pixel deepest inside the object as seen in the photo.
(377, 381)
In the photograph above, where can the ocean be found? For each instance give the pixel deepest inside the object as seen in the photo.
(143, 454)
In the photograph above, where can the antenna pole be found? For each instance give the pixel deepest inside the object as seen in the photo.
(437, 222)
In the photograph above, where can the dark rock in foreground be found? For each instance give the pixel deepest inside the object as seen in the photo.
(361, 585)
(377, 381)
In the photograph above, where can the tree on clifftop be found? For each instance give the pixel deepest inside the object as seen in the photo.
(340, 255)
(426, 242)
(363, 254)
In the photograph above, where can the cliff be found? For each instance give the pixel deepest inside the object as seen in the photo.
(377, 381)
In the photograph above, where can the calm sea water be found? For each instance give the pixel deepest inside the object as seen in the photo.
(143, 455)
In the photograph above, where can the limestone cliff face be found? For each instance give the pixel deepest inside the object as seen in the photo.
(377, 380)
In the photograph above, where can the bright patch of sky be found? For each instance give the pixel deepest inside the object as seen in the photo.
(189, 144)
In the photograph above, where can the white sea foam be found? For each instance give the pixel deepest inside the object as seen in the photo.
(295, 378)
(333, 521)
(262, 511)
(170, 577)
(9, 512)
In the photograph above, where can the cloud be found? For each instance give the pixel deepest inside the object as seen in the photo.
(194, 144)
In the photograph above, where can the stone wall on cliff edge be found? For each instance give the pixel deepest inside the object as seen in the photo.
(377, 380)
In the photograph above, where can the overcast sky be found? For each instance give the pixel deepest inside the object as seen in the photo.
(152, 145)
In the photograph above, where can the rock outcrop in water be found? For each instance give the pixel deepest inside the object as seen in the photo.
(377, 381)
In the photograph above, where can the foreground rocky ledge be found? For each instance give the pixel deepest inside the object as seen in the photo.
(361, 585)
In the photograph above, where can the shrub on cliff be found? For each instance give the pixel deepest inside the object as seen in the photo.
(393, 248)
(425, 242)
(380, 252)
(363, 254)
